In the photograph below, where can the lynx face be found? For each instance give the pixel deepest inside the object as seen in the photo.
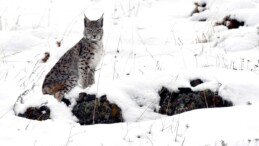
(93, 30)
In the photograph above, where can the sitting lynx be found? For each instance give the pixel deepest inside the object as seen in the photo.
(78, 64)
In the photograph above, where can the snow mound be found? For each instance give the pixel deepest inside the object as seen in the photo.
(149, 45)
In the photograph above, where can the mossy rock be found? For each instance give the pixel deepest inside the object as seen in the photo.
(175, 103)
(91, 110)
(36, 113)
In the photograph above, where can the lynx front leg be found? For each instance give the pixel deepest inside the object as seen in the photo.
(90, 78)
(83, 77)
(86, 77)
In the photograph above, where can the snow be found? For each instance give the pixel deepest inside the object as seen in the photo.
(149, 44)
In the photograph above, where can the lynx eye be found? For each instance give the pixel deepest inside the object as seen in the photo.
(89, 30)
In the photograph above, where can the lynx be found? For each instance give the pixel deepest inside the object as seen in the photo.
(78, 64)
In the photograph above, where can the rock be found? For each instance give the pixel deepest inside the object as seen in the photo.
(58, 43)
(196, 82)
(231, 23)
(96, 111)
(186, 100)
(35, 113)
(85, 97)
(46, 57)
(66, 101)
(103, 98)
(185, 90)
(199, 7)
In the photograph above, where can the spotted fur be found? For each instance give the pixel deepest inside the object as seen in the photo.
(78, 64)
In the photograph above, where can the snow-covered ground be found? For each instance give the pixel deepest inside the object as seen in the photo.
(148, 44)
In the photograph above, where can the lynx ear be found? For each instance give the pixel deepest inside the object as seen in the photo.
(86, 20)
(100, 21)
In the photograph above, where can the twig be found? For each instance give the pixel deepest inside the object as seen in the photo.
(168, 103)
(5, 113)
(94, 111)
(143, 43)
(163, 124)
(122, 8)
(144, 111)
(69, 136)
(28, 125)
(181, 44)
(17, 21)
(126, 132)
(20, 98)
(137, 9)
(183, 141)
(166, 41)
(131, 54)
(99, 76)
(77, 134)
(150, 140)
(205, 98)
(177, 127)
(117, 51)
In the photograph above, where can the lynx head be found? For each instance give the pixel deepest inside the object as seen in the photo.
(93, 30)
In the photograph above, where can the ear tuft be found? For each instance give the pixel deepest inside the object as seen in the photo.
(100, 21)
(86, 20)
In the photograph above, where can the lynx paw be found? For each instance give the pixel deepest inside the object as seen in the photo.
(83, 84)
(91, 82)
(59, 95)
